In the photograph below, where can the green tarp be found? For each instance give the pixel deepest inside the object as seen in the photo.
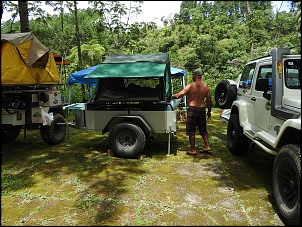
(136, 66)
(128, 70)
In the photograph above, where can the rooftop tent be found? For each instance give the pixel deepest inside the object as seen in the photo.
(25, 60)
(136, 66)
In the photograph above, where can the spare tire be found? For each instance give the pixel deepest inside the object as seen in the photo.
(225, 94)
(55, 133)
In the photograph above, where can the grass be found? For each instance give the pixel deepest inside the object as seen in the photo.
(76, 183)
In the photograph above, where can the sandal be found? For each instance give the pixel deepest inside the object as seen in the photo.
(190, 153)
(206, 151)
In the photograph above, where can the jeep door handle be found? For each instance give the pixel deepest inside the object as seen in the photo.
(253, 99)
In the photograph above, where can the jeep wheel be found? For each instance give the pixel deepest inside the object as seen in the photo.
(127, 140)
(10, 134)
(238, 143)
(286, 183)
(225, 94)
(55, 133)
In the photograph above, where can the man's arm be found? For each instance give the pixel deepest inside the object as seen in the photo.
(209, 103)
(182, 93)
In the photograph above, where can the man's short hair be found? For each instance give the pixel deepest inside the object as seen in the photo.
(197, 72)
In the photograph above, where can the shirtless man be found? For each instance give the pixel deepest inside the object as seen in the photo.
(199, 98)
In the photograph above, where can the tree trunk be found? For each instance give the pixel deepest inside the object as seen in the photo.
(79, 47)
(23, 13)
(250, 26)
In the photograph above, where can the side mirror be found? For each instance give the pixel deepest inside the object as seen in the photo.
(263, 85)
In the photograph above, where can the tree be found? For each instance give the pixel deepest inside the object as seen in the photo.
(23, 13)
(114, 19)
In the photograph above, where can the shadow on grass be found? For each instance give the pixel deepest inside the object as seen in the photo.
(102, 182)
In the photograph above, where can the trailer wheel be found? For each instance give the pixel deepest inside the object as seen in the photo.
(286, 183)
(55, 133)
(127, 140)
(225, 94)
(9, 134)
(238, 143)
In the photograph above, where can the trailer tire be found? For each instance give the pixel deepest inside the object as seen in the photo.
(10, 134)
(225, 94)
(55, 133)
(127, 140)
(286, 183)
(238, 143)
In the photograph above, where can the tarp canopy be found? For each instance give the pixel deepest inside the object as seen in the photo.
(136, 66)
(175, 72)
(129, 70)
(133, 66)
(78, 77)
(25, 60)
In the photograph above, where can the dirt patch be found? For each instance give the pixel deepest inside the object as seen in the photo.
(80, 184)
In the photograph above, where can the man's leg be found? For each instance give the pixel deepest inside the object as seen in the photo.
(192, 143)
(206, 142)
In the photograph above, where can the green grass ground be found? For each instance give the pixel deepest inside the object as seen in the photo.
(76, 183)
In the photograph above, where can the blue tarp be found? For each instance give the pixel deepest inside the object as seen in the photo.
(175, 72)
(78, 77)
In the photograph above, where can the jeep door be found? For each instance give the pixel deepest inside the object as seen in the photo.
(260, 107)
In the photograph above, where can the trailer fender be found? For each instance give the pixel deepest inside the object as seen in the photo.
(139, 120)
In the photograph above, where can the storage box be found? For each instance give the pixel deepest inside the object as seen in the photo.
(13, 117)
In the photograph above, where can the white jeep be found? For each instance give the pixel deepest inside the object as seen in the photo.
(265, 109)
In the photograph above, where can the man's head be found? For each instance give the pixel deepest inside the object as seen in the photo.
(197, 73)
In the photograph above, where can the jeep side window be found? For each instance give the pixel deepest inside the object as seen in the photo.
(247, 76)
(292, 73)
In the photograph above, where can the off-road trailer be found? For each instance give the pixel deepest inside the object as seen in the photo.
(30, 99)
(131, 102)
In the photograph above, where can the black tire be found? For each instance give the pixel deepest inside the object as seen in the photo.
(10, 134)
(286, 183)
(55, 133)
(225, 94)
(127, 140)
(238, 143)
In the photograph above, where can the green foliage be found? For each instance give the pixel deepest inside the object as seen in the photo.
(216, 36)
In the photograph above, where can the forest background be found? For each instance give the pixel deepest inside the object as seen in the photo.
(219, 37)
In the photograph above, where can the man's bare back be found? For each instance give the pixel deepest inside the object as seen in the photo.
(197, 93)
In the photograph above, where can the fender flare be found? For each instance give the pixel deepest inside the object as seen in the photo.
(139, 120)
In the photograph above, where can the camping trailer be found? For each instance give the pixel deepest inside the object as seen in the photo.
(30, 100)
(131, 102)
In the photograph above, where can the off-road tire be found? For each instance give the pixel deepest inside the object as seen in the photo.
(238, 143)
(127, 140)
(225, 94)
(10, 134)
(55, 133)
(286, 183)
